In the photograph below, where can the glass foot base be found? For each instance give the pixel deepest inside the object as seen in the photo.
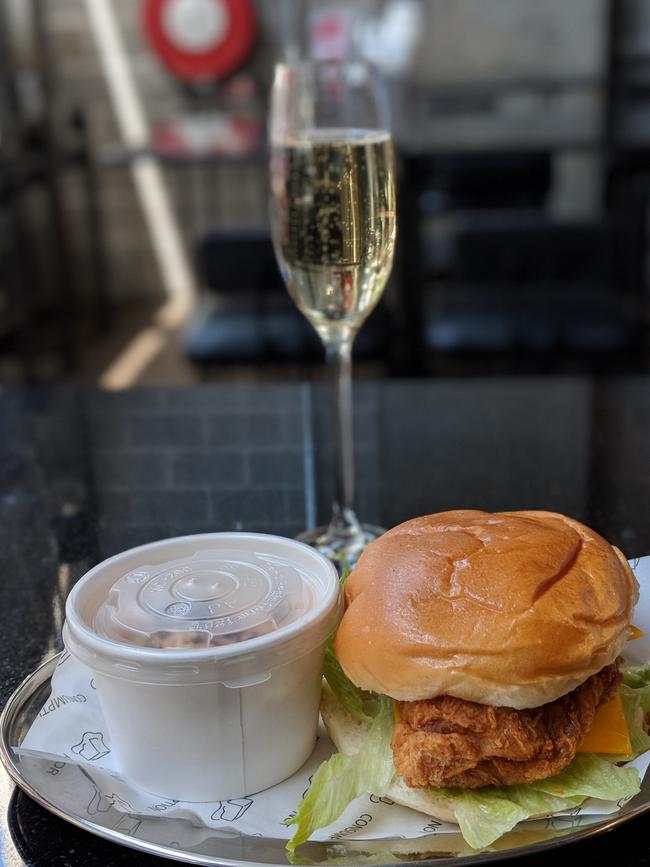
(342, 550)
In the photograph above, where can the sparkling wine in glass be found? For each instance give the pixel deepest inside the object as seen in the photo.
(334, 223)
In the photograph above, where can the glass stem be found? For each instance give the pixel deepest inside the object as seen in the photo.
(344, 522)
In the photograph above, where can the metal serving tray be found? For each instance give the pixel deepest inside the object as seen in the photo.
(181, 840)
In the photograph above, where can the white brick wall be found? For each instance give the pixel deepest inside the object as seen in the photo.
(203, 197)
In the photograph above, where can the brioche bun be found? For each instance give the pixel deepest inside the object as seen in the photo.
(513, 608)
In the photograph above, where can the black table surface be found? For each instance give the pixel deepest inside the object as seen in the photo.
(84, 474)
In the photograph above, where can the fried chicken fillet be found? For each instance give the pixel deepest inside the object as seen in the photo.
(447, 741)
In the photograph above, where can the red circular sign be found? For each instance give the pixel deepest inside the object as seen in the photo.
(199, 40)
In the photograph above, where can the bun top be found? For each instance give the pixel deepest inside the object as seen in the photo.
(512, 608)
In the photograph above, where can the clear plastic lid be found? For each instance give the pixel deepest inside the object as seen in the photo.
(209, 599)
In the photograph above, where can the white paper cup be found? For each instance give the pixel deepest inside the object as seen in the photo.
(207, 656)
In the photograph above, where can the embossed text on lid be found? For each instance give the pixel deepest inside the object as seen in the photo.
(212, 598)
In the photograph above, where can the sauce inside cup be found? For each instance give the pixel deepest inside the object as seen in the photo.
(213, 598)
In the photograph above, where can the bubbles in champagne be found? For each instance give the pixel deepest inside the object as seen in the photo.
(334, 223)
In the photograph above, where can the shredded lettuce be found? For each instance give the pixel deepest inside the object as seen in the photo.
(591, 776)
(361, 705)
(636, 676)
(635, 695)
(483, 814)
(341, 778)
(486, 814)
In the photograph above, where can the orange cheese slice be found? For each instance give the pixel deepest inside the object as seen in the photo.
(609, 733)
(633, 632)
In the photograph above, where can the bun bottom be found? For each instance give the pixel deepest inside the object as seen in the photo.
(348, 735)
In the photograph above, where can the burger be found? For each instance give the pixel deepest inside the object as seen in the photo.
(476, 673)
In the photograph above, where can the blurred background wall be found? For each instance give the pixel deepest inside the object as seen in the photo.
(522, 128)
(502, 90)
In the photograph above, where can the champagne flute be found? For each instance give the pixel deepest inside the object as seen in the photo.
(333, 223)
